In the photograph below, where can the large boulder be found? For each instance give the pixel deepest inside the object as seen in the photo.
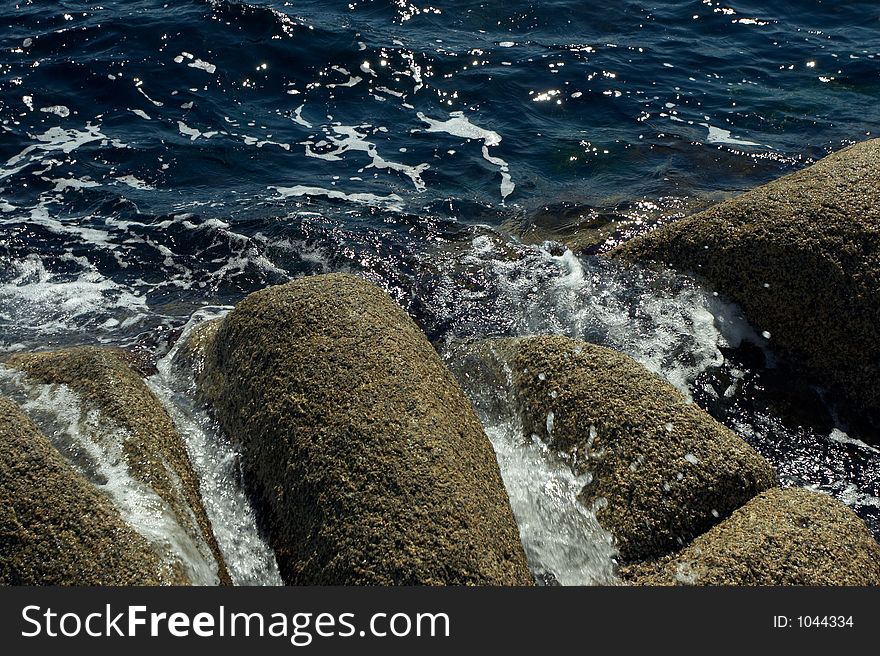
(781, 537)
(131, 415)
(663, 471)
(368, 460)
(55, 528)
(801, 255)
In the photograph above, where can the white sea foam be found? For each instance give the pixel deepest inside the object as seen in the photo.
(58, 110)
(391, 201)
(719, 135)
(352, 81)
(41, 216)
(134, 182)
(203, 65)
(298, 119)
(838, 435)
(53, 140)
(459, 126)
(63, 184)
(157, 103)
(342, 139)
(39, 302)
(193, 133)
(259, 143)
(194, 62)
(674, 329)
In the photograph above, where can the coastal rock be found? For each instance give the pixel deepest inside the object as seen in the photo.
(130, 415)
(191, 354)
(801, 255)
(663, 471)
(55, 528)
(369, 462)
(781, 537)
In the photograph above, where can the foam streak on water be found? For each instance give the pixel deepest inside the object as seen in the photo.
(458, 125)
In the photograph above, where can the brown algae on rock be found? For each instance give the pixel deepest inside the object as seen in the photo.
(781, 537)
(368, 460)
(801, 255)
(129, 412)
(55, 528)
(663, 471)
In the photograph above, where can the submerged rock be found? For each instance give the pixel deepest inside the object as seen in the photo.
(367, 459)
(131, 415)
(55, 528)
(576, 226)
(588, 230)
(781, 537)
(663, 471)
(801, 255)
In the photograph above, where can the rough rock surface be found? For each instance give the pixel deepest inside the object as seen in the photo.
(55, 528)
(781, 537)
(367, 458)
(802, 256)
(152, 447)
(663, 470)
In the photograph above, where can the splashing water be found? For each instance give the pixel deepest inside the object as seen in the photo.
(563, 541)
(248, 557)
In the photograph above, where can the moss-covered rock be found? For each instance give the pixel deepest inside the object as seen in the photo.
(781, 537)
(367, 458)
(55, 528)
(801, 255)
(105, 381)
(663, 471)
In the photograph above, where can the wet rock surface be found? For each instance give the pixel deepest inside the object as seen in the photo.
(128, 412)
(55, 528)
(367, 459)
(781, 537)
(801, 255)
(663, 471)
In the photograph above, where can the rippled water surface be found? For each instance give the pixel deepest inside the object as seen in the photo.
(157, 158)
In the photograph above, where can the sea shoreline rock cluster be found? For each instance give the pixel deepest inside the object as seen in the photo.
(801, 256)
(664, 470)
(368, 465)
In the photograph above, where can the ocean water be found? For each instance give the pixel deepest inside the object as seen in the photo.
(158, 158)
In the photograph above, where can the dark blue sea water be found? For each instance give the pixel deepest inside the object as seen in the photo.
(160, 157)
